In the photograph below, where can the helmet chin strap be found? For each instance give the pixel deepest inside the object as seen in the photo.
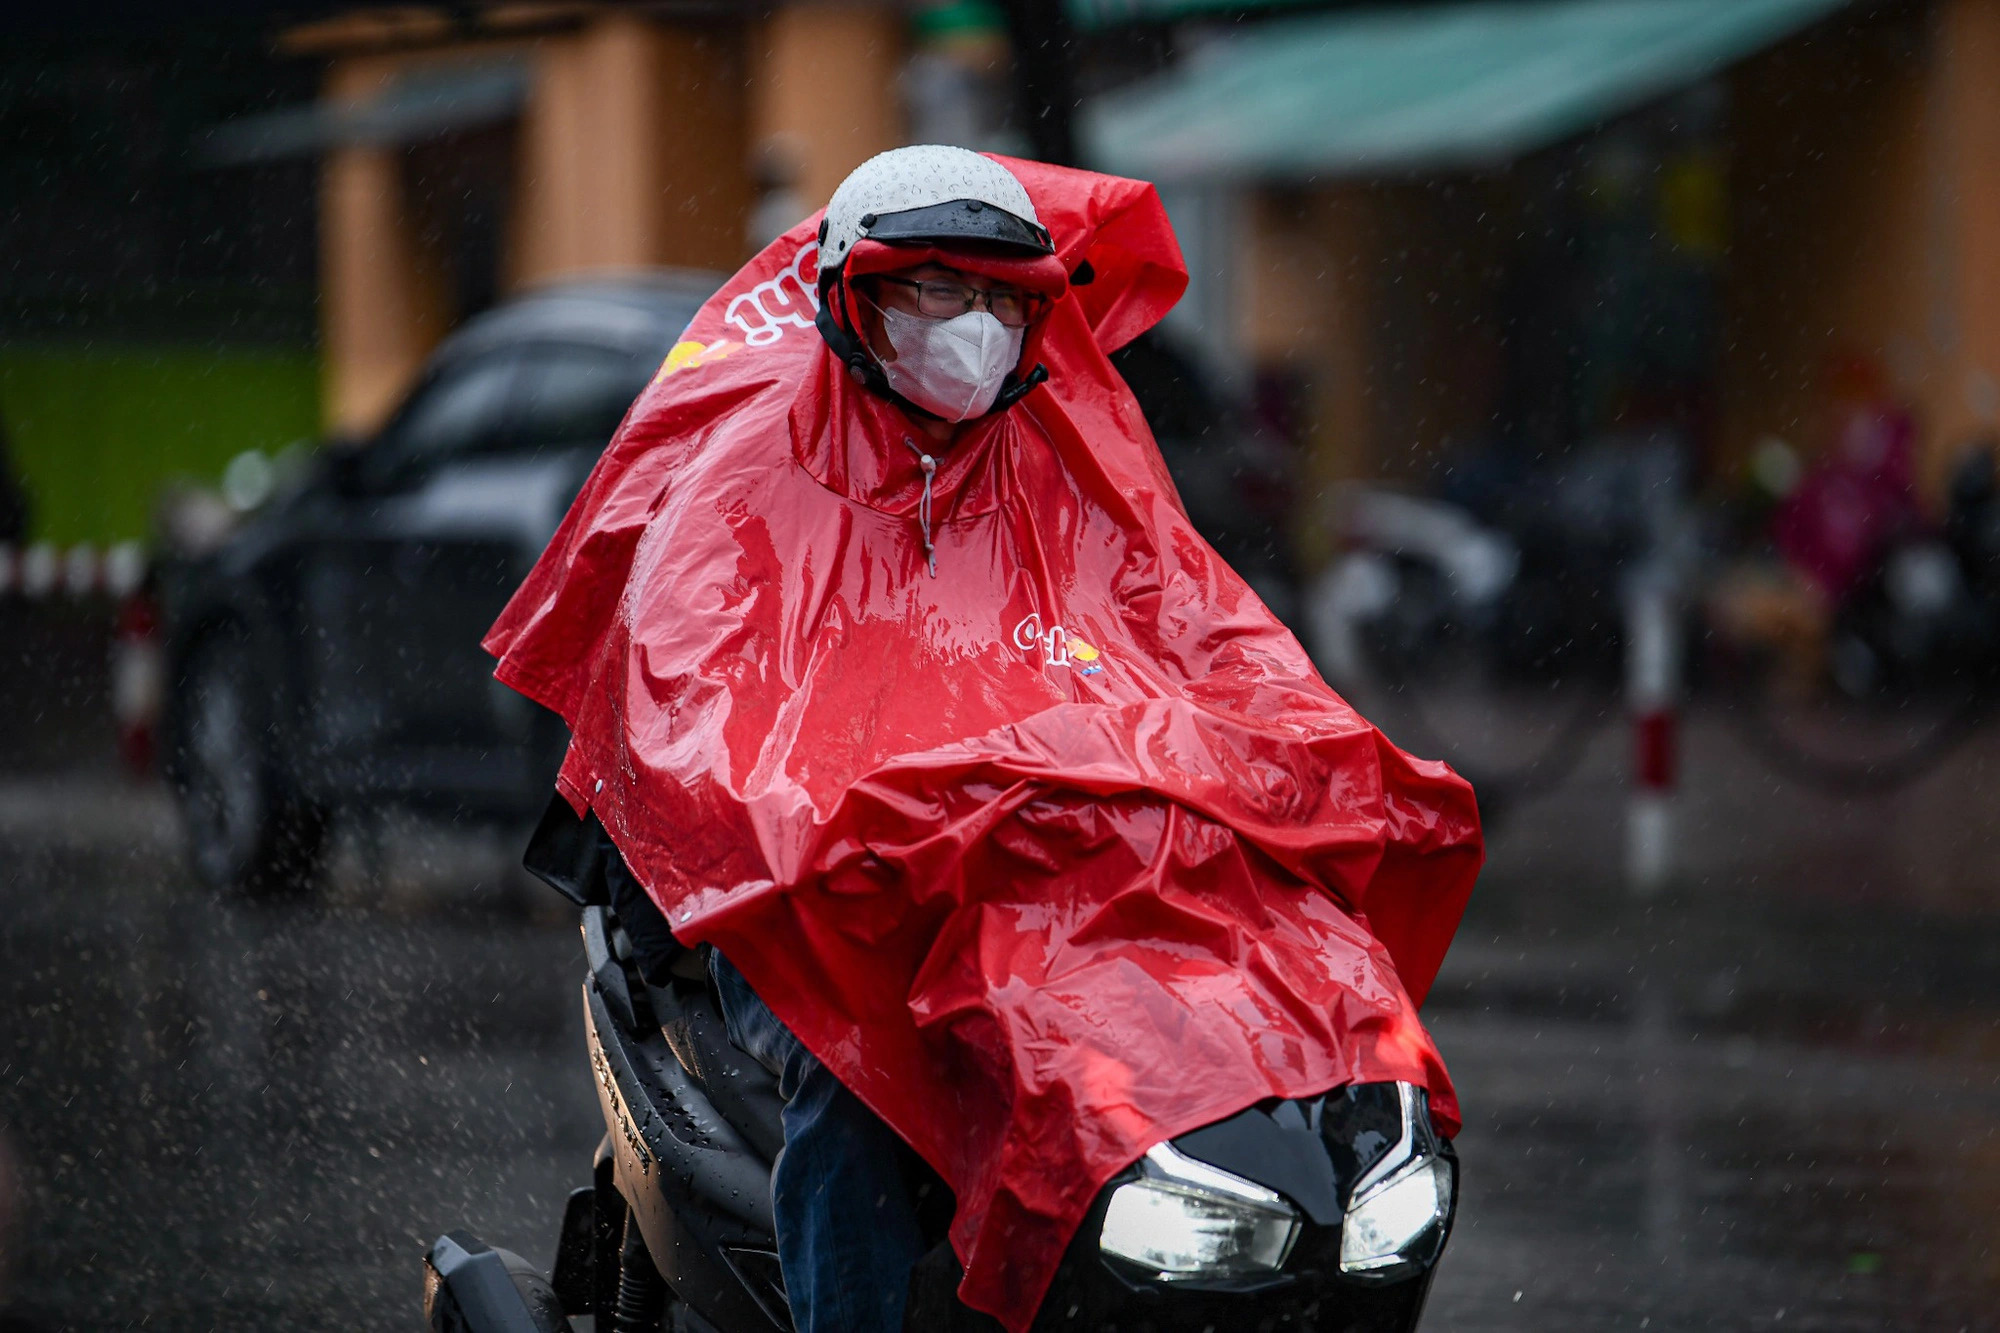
(867, 371)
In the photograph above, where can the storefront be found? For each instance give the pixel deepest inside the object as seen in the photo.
(469, 154)
(1484, 236)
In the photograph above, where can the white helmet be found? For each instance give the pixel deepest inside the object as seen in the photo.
(924, 195)
(929, 193)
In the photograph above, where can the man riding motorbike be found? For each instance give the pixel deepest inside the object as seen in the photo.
(898, 677)
(939, 339)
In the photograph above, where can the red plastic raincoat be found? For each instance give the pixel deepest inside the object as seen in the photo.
(1056, 854)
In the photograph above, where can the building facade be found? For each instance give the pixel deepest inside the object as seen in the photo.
(467, 158)
(1536, 227)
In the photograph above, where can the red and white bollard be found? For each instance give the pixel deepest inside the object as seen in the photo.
(1652, 689)
(138, 681)
(138, 663)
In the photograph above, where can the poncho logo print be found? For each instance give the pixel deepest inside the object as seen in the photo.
(791, 299)
(1038, 917)
(1057, 646)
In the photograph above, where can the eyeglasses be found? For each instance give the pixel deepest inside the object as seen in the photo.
(948, 300)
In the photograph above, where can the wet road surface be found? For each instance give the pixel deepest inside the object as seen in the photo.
(1770, 1099)
(257, 1116)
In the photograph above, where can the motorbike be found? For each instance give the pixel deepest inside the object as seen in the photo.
(1925, 617)
(1327, 1212)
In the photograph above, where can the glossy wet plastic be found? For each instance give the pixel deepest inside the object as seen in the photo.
(1054, 855)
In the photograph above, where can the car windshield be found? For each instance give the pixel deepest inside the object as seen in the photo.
(520, 400)
(462, 409)
(569, 395)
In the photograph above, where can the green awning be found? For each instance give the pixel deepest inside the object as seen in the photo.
(1392, 91)
(1097, 14)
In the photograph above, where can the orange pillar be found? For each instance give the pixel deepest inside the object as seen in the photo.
(823, 89)
(383, 307)
(1866, 221)
(633, 151)
(1968, 122)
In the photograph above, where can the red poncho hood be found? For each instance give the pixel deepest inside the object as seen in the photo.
(1052, 856)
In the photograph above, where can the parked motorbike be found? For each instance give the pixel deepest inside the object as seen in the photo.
(1926, 616)
(1873, 691)
(1326, 1212)
(1464, 641)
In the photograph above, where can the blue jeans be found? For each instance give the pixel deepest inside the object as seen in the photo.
(847, 1230)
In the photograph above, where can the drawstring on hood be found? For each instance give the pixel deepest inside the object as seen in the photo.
(929, 465)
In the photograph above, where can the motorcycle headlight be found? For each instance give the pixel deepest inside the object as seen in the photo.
(1185, 1219)
(1398, 1222)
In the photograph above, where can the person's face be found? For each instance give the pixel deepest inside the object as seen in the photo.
(898, 290)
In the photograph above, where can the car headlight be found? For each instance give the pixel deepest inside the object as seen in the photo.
(1398, 1222)
(1185, 1219)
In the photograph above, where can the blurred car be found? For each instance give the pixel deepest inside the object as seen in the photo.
(325, 655)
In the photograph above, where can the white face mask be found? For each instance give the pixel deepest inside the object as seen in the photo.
(952, 368)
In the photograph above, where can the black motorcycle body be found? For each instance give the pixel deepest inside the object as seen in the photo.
(1324, 1213)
